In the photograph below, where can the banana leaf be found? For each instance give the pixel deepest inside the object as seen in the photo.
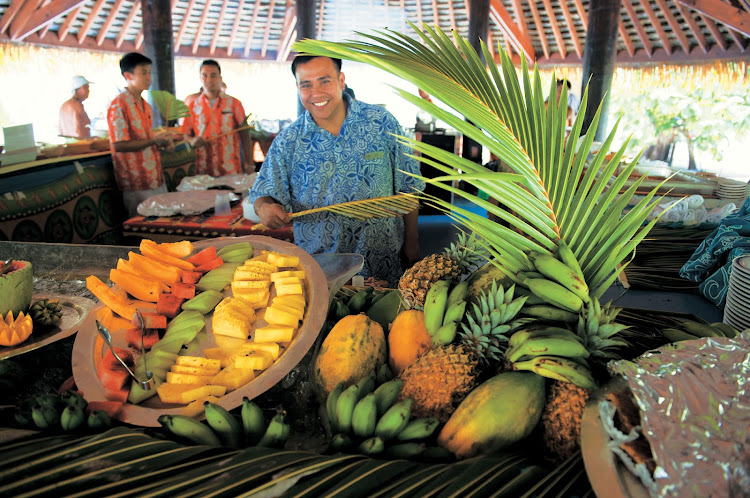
(170, 107)
(551, 193)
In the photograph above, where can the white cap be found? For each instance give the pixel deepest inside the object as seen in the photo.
(78, 81)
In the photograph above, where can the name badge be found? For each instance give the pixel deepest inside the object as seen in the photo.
(374, 155)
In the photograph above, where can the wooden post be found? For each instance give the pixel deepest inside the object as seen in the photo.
(479, 23)
(157, 46)
(599, 57)
(306, 14)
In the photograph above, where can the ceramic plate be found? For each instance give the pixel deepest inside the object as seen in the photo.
(74, 311)
(89, 347)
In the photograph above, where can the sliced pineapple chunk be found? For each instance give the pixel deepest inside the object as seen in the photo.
(195, 408)
(231, 325)
(185, 393)
(293, 300)
(283, 260)
(274, 333)
(180, 378)
(233, 378)
(296, 312)
(286, 289)
(278, 316)
(286, 274)
(269, 347)
(227, 342)
(182, 369)
(250, 284)
(288, 281)
(256, 360)
(197, 361)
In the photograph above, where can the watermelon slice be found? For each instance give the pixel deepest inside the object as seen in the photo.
(169, 305)
(133, 337)
(206, 267)
(184, 290)
(190, 277)
(203, 257)
(109, 362)
(151, 321)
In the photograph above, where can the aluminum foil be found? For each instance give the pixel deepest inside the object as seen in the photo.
(183, 203)
(695, 407)
(238, 183)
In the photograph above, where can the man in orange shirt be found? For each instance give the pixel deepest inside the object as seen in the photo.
(134, 145)
(213, 117)
(73, 118)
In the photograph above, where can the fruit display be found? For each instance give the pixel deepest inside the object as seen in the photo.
(67, 412)
(16, 281)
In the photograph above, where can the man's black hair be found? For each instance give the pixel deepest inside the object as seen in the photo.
(130, 61)
(560, 82)
(211, 62)
(301, 59)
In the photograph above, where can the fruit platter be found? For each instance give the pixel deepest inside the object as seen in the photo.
(231, 306)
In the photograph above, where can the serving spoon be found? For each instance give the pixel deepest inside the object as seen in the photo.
(147, 384)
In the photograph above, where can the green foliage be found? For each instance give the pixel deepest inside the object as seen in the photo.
(170, 107)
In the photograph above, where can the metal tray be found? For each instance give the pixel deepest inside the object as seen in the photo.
(89, 347)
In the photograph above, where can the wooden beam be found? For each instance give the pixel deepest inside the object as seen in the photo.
(555, 28)
(183, 25)
(251, 33)
(90, 19)
(287, 28)
(451, 15)
(139, 40)
(10, 14)
(737, 37)
(22, 18)
(694, 28)
(235, 27)
(45, 29)
(626, 39)
(675, 25)
(418, 4)
(267, 34)
(435, 16)
(657, 26)
(108, 23)
(67, 23)
(571, 29)
(518, 11)
(715, 32)
(128, 21)
(722, 12)
(638, 27)
(217, 29)
(582, 14)
(320, 18)
(201, 24)
(540, 29)
(510, 29)
(45, 15)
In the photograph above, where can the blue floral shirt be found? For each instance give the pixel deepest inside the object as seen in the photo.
(307, 167)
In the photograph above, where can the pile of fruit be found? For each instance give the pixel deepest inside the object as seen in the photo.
(66, 412)
(176, 292)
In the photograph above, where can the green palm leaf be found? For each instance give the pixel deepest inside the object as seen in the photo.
(551, 192)
(170, 107)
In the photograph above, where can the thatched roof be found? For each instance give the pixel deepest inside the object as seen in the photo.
(554, 31)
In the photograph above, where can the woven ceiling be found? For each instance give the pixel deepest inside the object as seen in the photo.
(651, 31)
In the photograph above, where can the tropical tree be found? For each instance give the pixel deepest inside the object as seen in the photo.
(553, 191)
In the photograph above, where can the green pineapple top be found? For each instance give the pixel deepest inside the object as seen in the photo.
(467, 252)
(598, 330)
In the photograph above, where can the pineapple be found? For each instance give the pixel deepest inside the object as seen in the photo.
(441, 378)
(454, 262)
(561, 418)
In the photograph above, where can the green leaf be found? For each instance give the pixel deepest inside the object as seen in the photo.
(170, 107)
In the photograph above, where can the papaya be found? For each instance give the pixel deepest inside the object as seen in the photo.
(408, 339)
(354, 349)
(495, 415)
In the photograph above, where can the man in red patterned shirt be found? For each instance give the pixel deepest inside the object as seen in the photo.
(213, 117)
(134, 144)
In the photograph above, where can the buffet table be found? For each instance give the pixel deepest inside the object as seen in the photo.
(202, 226)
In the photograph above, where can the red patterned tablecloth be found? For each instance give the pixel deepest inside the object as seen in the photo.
(202, 226)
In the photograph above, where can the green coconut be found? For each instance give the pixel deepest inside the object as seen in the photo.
(16, 287)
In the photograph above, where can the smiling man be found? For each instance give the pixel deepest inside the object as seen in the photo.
(339, 150)
(213, 117)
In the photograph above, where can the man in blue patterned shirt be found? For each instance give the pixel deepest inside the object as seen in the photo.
(340, 150)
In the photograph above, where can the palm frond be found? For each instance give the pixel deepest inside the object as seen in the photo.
(170, 107)
(377, 207)
(552, 192)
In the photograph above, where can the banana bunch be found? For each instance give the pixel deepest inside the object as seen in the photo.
(690, 330)
(66, 412)
(444, 309)
(556, 286)
(224, 429)
(379, 306)
(551, 352)
(371, 420)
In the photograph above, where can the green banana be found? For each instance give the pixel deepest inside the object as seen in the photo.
(554, 294)
(445, 334)
(551, 313)
(418, 429)
(45, 416)
(676, 335)
(524, 274)
(71, 397)
(331, 401)
(190, 429)
(366, 385)
(224, 424)
(700, 329)
(564, 369)
(71, 418)
(51, 400)
(98, 419)
(435, 304)
(725, 329)
(345, 408)
(394, 420)
(554, 269)
(341, 442)
(372, 446)
(276, 433)
(253, 423)
(384, 374)
(531, 299)
(365, 416)
(341, 310)
(358, 300)
(458, 293)
(569, 258)
(406, 450)
(520, 336)
(386, 394)
(455, 312)
(542, 345)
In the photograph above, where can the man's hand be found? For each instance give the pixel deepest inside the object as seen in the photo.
(271, 213)
(163, 140)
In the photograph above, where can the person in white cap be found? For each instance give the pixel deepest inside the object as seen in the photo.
(73, 118)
